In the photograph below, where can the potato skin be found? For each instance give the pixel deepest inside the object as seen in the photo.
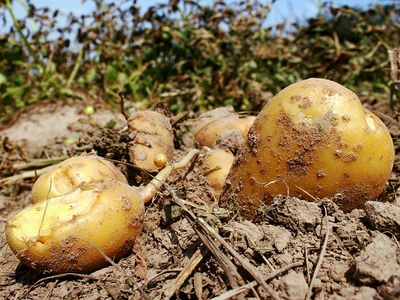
(210, 125)
(152, 135)
(316, 137)
(216, 166)
(69, 174)
(74, 231)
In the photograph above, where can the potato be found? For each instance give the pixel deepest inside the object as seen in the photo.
(72, 232)
(69, 174)
(152, 137)
(65, 234)
(312, 140)
(210, 125)
(216, 166)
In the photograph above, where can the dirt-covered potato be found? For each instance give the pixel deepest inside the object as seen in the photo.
(312, 140)
(69, 174)
(210, 125)
(74, 231)
(66, 234)
(152, 139)
(216, 166)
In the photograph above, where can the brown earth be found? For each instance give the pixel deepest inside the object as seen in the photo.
(358, 252)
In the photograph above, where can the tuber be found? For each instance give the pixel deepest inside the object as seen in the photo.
(216, 165)
(76, 231)
(210, 125)
(69, 174)
(67, 234)
(152, 144)
(312, 140)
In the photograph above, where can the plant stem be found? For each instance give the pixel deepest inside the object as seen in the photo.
(21, 34)
(76, 68)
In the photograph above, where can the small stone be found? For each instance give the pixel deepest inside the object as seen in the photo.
(377, 262)
(279, 236)
(338, 272)
(293, 286)
(354, 293)
(391, 289)
(383, 216)
(295, 214)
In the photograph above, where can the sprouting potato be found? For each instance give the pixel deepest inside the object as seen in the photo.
(216, 165)
(312, 140)
(73, 232)
(152, 139)
(66, 234)
(69, 174)
(210, 125)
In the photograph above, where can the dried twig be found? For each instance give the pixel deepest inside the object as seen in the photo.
(321, 256)
(307, 263)
(176, 270)
(243, 261)
(210, 231)
(198, 285)
(24, 175)
(272, 275)
(230, 269)
(185, 273)
(122, 104)
(58, 276)
(39, 162)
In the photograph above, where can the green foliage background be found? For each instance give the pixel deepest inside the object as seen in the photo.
(190, 56)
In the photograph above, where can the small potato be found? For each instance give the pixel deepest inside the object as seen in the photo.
(66, 234)
(216, 166)
(69, 174)
(152, 137)
(312, 140)
(210, 125)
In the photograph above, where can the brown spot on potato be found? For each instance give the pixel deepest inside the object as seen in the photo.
(253, 141)
(345, 118)
(136, 221)
(125, 202)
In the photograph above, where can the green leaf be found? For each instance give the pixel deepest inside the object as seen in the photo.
(3, 79)
(111, 73)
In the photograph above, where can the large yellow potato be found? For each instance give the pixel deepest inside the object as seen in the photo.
(312, 140)
(69, 174)
(210, 125)
(216, 166)
(152, 138)
(74, 231)
(66, 234)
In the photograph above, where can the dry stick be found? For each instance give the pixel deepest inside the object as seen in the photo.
(39, 162)
(45, 208)
(307, 263)
(270, 276)
(229, 268)
(204, 226)
(185, 273)
(27, 174)
(122, 104)
(259, 252)
(83, 276)
(176, 270)
(321, 256)
(244, 262)
(198, 285)
(51, 290)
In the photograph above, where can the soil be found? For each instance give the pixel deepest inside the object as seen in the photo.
(356, 254)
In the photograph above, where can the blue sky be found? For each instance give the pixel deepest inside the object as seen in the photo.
(290, 10)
